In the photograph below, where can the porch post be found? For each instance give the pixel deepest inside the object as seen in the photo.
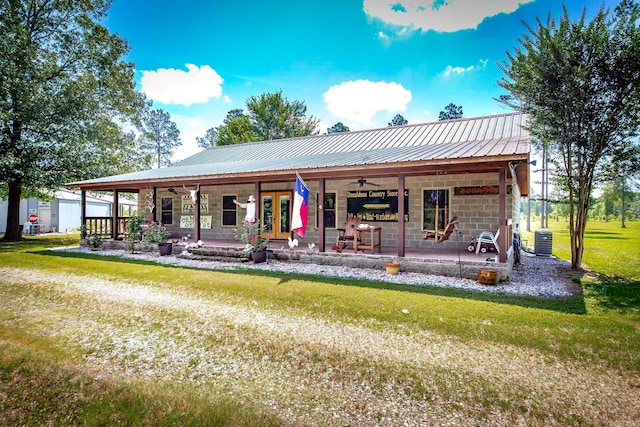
(320, 210)
(400, 215)
(196, 216)
(83, 210)
(502, 214)
(256, 194)
(154, 211)
(114, 215)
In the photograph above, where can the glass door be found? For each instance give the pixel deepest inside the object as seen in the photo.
(276, 214)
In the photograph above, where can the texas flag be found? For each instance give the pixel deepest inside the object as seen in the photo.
(300, 207)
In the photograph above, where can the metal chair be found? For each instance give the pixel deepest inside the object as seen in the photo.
(487, 238)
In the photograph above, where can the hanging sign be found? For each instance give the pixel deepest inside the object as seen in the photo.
(479, 190)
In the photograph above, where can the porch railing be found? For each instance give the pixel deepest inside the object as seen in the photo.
(102, 226)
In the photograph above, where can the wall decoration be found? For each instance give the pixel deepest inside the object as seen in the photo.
(188, 207)
(479, 190)
(376, 205)
(187, 221)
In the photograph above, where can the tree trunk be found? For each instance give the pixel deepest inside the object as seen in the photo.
(622, 203)
(14, 228)
(577, 232)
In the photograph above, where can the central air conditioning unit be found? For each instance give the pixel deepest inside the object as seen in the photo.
(543, 242)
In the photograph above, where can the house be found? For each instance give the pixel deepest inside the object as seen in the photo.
(63, 212)
(474, 168)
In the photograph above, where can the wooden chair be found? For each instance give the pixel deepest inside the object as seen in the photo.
(347, 234)
(442, 235)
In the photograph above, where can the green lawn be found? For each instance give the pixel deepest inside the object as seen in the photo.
(87, 339)
(609, 249)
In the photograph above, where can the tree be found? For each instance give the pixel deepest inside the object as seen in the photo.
(397, 120)
(65, 94)
(236, 129)
(160, 135)
(209, 139)
(269, 116)
(579, 83)
(621, 174)
(337, 128)
(273, 116)
(450, 112)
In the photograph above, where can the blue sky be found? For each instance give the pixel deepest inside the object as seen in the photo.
(359, 62)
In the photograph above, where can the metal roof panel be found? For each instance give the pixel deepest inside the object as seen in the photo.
(498, 135)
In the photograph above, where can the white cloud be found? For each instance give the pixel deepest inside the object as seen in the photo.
(227, 99)
(449, 70)
(438, 15)
(360, 100)
(382, 36)
(170, 86)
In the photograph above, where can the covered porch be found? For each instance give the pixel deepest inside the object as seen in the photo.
(438, 261)
(407, 182)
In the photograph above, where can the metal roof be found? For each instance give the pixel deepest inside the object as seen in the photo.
(472, 140)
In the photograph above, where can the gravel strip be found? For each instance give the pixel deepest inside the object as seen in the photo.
(546, 277)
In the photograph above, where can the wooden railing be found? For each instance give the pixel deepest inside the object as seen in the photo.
(99, 225)
(102, 226)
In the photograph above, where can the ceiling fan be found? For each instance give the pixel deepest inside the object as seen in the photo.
(361, 182)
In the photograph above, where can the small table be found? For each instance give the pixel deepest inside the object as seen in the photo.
(361, 235)
(32, 229)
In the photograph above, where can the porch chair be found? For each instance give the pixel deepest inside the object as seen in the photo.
(347, 234)
(487, 238)
(442, 235)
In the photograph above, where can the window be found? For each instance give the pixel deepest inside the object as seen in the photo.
(435, 209)
(167, 210)
(329, 207)
(229, 211)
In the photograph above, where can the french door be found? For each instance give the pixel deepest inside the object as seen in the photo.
(276, 214)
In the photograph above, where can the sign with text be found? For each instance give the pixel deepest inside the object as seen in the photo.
(478, 190)
(188, 221)
(376, 205)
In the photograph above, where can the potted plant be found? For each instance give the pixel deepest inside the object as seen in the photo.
(158, 234)
(250, 233)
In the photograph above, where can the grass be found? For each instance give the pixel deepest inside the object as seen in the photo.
(471, 341)
(612, 253)
(609, 249)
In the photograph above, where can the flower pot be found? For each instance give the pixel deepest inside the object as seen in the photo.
(259, 256)
(165, 248)
(488, 277)
(392, 267)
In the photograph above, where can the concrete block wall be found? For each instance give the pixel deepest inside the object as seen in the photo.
(475, 213)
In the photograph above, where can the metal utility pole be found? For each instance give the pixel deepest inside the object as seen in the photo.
(544, 189)
(529, 210)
